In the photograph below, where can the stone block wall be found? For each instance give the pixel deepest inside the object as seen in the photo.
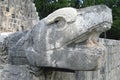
(17, 15)
(111, 69)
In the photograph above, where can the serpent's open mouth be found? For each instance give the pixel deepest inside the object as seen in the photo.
(90, 38)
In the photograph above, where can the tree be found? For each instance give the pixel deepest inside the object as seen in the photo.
(114, 33)
(45, 7)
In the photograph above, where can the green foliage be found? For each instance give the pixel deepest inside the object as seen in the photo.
(114, 33)
(100, 2)
(88, 3)
(44, 7)
(109, 3)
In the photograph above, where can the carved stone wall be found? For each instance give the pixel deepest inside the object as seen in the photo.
(111, 69)
(17, 15)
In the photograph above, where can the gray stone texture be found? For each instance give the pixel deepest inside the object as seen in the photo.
(3, 47)
(16, 53)
(13, 72)
(71, 42)
(26, 55)
(110, 70)
(17, 15)
(46, 45)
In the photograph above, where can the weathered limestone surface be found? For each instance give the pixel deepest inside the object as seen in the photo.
(16, 52)
(111, 68)
(17, 15)
(22, 72)
(13, 72)
(110, 71)
(3, 47)
(69, 41)
(58, 45)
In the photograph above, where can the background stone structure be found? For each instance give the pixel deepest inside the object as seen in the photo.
(111, 69)
(17, 15)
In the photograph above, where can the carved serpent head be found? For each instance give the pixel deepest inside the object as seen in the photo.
(68, 38)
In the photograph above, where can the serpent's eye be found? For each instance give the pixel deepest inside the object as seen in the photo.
(61, 24)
